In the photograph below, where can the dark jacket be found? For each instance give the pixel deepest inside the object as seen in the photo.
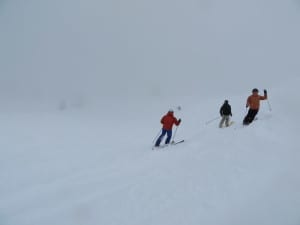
(225, 110)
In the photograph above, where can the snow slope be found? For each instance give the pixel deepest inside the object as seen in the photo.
(129, 63)
(74, 168)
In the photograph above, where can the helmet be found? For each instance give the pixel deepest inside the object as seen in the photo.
(255, 90)
(171, 111)
(226, 101)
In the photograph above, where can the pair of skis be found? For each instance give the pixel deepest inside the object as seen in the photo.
(167, 145)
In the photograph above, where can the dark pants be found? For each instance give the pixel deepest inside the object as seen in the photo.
(163, 133)
(250, 116)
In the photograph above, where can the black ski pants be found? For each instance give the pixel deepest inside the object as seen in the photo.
(250, 116)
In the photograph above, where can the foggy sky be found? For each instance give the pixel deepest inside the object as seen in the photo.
(66, 48)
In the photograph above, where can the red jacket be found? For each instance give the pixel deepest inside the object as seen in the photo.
(169, 120)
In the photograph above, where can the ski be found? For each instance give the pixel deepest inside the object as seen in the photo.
(246, 125)
(230, 124)
(178, 142)
(167, 145)
(159, 147)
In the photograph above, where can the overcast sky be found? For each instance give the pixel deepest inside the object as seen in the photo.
(64, 48)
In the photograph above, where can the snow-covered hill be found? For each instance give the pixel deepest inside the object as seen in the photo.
(73, 168)
(119, 67)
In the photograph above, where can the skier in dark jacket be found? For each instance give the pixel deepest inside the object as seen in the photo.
(225, 112)
(167, 121)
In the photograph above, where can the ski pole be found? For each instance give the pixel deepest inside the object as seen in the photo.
(269, 105)
(174, 135)
(156, 136)
(209, 121)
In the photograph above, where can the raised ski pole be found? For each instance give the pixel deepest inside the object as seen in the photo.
(212, 120)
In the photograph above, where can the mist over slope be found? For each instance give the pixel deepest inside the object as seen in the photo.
(100, 50)
(133, 60)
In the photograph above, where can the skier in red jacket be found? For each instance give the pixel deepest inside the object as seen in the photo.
(167, 121)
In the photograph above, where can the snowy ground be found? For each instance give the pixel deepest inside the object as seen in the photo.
(81, 168)
(119, 66)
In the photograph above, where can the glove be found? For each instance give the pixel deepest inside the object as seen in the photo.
(230, 114)
(179, 121)
(246, 106)
(265, 91)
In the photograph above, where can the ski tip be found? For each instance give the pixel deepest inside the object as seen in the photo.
(178, 142)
